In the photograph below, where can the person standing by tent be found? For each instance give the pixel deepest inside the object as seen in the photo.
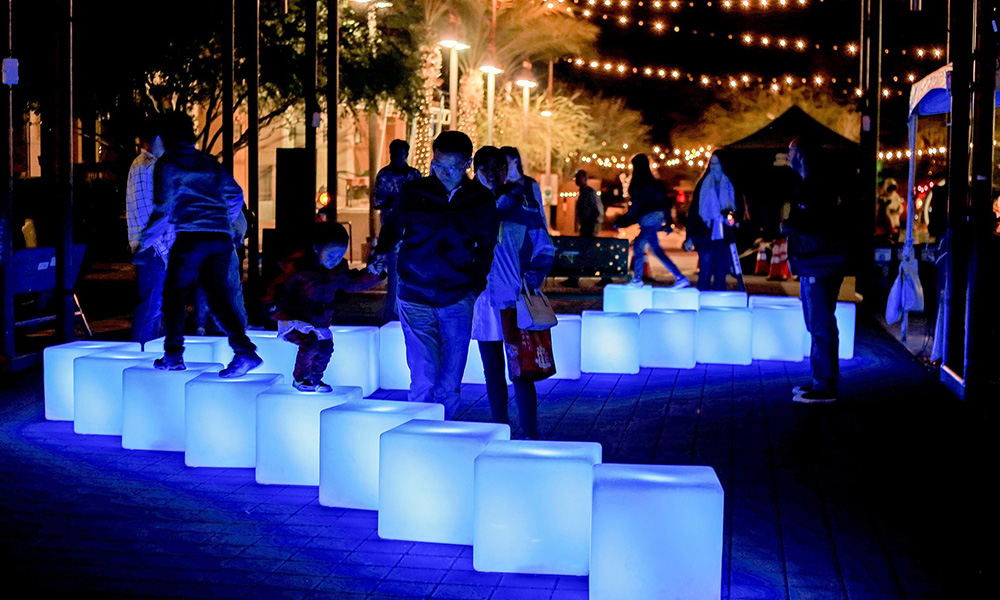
(818, 256)
(713, 199)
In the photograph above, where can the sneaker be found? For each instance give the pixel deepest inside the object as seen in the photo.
(815, 397)
(241, 365)
(169, 364)
(305, 385)
(801, 389)
(635, 283)
(683, 282)
(323, 387)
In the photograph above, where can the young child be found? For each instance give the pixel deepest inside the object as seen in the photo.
(301, 300)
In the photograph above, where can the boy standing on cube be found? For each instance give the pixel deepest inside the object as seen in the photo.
(301, 300)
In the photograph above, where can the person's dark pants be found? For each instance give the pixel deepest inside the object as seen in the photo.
(819, 302)
(202, 259)
(313, 356)
(204, 320)
(496, 389)
(588, 230)
(151, 273)
(714, 261)
(389, 310)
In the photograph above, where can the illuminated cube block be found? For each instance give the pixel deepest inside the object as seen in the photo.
(278, 355)
(566, 346)
(620, 297)
(609, 342)
(57, 373)
(666, 338)
(722, 299)
(724, 336)
(288, 432)
(197, 348)
(97, 389)
(355, 359)
(220, 419)
(153, 405)
(676, 299)
(349, 447)
(657, 533)
(755, 301)
(533, 506)
(393, 372)
(426, 479)
(777, 332)
(846, 314)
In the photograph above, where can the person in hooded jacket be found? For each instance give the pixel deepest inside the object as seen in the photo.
(714, 198)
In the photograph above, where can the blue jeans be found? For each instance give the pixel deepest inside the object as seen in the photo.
(819, 302)
(649, 226)
(389, 310)
(202, 314)
(437, 348)
(151, 271)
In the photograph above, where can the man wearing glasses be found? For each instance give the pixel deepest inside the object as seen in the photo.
(446, 225)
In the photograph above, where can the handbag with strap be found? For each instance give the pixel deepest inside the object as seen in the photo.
(529, 353)
(534, 312)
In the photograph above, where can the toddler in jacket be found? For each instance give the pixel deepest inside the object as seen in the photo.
(301, 300)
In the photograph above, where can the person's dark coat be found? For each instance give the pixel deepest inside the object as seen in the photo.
(646, 198)
(305, 290)
(816, 227)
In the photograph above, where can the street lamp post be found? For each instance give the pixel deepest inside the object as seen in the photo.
(492, 70)
(452, 41)
(526, 79)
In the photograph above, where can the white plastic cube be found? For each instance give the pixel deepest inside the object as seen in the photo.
(777, 332)
(676, 298)
(349, 447)
(153, 405)
(355, 359)
(393, 372)
(609, 342)
(756, 300)
(566, 346)
(619, 297)
(220, 419)
(426, 479)
(657, 533)
(288, 432)
(722, 299)
(97, 389)
(724, 336)
(197, 348)
(57, 375)
(533, 506)
(666, 338)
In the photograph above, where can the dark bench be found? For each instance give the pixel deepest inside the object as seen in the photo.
(590, 257)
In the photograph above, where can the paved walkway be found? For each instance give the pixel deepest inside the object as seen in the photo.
(880, 496)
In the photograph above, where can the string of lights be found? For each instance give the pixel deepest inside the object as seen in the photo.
(895, 155)
(745, 5)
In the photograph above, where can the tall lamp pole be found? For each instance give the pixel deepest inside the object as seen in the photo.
(526, 79)
(492, 69)
(452, 42)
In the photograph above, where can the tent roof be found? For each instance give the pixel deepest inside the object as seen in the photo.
(793, 122)
(930, 95)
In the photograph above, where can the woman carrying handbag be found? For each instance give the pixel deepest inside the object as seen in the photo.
(522, 258)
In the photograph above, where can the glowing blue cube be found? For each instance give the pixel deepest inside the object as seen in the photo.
(393, 372)
(777, 332)
(153, 405)
(57, 373)
(846, 314)
(426, 479)
(657, 533)
(724, 336)
(620, 297)
(666, 338)
(278, 355)
(676, 298)
(288, 432)
(349, 447)
(566, 346)
(197, 348)
(97, 389)
(755, 301)
(220, 419)
(355, 359)
(533, 505)
(722, 299)
(609, 342)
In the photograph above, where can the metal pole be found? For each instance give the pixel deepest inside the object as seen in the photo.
(228, 83)
(453, 87)
(332, 101)
(312, 111)
(525, 100)
(548, 126)
(491, 84)
(253, 148)
(7, 216)
(65, 326)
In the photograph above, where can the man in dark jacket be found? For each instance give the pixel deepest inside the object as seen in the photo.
(446, 226)
(817, 254)
(192, 192)
(388, 190)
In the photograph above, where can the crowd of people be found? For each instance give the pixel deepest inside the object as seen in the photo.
(458, 251)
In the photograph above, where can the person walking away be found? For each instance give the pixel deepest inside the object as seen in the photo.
(589, 217)
(714, 198)
(818, 255)
(446, 227)
(388, 189)
(523, 184)
(523, 256)
(649, 208)
(150, 255)
(201, 200)
(301, 300)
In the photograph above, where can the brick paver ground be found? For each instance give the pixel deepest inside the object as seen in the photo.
(885, 495)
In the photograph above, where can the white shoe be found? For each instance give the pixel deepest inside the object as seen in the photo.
(635, 283)
(683, 282)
